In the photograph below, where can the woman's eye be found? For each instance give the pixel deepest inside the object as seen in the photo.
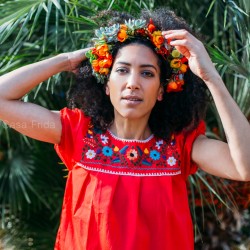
(147, 74)
(121, 70)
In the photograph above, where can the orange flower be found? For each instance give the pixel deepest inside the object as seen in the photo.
(122, 35)
(172, 86)
(158, 39)
(105, 63)
(175, 86)
(175, 63)
(183, 68)
(104, 71)
(180, 82)
(123, 27)
(95, 65)
(102, 50)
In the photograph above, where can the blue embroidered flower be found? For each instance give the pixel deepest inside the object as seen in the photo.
(154, 154)
(107, 151)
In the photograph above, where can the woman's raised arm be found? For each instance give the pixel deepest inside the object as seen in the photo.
(231, 160)
(27, 118)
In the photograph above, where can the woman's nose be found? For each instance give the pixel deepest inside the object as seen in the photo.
(133, 81)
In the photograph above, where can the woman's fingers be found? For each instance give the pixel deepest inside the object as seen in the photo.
(194, 50)
(76, 57)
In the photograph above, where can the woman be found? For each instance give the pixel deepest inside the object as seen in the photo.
(136, 135)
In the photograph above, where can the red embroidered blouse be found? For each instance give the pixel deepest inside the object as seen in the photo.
(124, 194)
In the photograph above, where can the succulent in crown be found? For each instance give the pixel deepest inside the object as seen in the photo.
(106, 34)
(135, 24)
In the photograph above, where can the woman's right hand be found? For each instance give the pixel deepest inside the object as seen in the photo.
(75, 58)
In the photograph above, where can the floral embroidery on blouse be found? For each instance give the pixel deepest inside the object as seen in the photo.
(105, 152)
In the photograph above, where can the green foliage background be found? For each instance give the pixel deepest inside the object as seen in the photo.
(31, 177)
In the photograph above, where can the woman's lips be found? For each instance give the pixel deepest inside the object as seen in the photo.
(132, 99)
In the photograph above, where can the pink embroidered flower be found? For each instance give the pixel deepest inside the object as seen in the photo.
(132, 154)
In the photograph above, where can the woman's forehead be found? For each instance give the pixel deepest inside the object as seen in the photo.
(136, 53)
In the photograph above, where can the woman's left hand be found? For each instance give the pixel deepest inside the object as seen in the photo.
(193, 49)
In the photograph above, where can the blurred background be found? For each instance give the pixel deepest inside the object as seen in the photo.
(32, 177)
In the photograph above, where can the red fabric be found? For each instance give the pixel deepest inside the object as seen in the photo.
(124, 194)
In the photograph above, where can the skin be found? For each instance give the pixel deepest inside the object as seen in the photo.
(134, 87)
(230, 160)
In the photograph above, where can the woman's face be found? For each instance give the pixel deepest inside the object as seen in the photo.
(134, 83)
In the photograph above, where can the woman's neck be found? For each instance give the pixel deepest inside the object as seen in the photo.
(130, 129)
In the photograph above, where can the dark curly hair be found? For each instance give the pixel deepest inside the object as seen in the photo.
(177, 110)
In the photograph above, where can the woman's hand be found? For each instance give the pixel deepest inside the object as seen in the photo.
(75, 58)
(193, 49)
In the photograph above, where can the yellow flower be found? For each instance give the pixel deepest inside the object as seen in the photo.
(175, 63)
(104, 71)
(175, 53)
(158, 39)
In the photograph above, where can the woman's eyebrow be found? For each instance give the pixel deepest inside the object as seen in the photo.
(142, 65)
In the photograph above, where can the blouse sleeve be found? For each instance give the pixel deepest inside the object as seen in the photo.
(188, 166)
(74, 124)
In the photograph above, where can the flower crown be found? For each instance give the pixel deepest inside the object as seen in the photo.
(101, 59)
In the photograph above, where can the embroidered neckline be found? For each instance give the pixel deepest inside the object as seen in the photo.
(103, 151)
(130, 140)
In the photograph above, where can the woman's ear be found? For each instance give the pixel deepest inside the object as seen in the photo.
(160, 94)
(107, 89)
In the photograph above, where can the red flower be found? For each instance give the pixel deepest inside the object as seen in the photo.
(140, 32)
(163, 51)
(184, 59)
(151, 26)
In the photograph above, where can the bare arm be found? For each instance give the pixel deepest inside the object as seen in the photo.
(27, 118)
(234, 157)
(231, 160)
